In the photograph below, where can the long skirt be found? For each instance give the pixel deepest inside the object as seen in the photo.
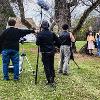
(90, 45)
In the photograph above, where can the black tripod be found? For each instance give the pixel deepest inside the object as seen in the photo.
(41, 13)
(72, 58)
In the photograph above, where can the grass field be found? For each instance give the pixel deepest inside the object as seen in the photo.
(81, 84)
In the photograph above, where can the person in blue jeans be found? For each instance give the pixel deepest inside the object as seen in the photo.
(98, 44)
(8, 54)
(10, 48)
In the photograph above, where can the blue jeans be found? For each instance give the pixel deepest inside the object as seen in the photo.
(13, 55)
(98, 52)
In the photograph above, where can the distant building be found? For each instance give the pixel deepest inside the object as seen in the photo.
(30, 37)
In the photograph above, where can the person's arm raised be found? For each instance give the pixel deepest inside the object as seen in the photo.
(25, 32)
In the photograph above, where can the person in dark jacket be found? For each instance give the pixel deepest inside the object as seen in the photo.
(10, 47)
(47, 40)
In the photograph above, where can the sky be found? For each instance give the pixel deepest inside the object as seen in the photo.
(32, 10)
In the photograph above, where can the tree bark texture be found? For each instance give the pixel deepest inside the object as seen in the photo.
(6, 11)
(62, 13)
(22, 14)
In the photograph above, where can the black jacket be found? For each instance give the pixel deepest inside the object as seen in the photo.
(47, 41)
(9, 39)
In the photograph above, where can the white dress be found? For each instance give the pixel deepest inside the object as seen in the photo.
(90, 45)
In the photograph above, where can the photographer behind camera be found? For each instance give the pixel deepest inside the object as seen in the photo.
(47, 41)
(10, 47)
(65, 50)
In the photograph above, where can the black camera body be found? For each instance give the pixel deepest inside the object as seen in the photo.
(22, 40)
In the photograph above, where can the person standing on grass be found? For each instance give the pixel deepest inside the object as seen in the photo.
(47, 40)
(90, 30)
(90, 40)
(98, 43)
(10, 48)
(65, 50)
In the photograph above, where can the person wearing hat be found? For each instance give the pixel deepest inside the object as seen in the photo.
(10, 48)
(47, 40)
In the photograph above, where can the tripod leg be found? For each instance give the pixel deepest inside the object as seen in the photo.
(37, 66)
(21, 64)
(29, 63)
(76, 64)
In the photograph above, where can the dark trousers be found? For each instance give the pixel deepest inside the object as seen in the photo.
(48, 62)
(86, 50)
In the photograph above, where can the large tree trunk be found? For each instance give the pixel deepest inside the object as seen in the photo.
(22, 14)
(62, 13)
(6, 11)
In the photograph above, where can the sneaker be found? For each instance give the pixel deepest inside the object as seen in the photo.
(60, 72)
(16, 78)
(92, 54)
(65, 74)
(51, 84)
(48, 83)
(6, 79)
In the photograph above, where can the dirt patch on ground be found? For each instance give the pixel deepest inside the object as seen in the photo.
(81, 57)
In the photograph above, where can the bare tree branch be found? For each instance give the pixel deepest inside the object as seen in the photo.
(21, 8)
(75, 6)
(89, 5)
(85, 15)
(73, 3)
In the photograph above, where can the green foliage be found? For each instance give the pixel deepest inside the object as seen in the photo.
(81, 35)
(6, 11)
(2, 26)
(79, 44)
(81, 84)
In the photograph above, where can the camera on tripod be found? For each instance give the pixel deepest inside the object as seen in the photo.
(22, 40)
(21, 58)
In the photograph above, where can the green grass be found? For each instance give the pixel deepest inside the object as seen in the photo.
(79, 44)
(81, 84)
